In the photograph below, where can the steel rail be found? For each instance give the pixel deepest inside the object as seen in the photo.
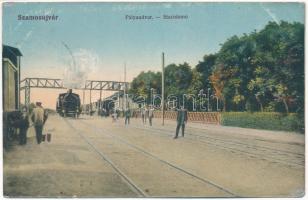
(204, 180)
(224, 147)
(134, 186)
(239, 143)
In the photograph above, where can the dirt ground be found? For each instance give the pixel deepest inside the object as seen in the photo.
(94, 157)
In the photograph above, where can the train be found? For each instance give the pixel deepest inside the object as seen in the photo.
(68, 104)
(105, 107)
(11, 57)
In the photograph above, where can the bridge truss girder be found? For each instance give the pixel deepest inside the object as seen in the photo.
(105, 85)
(28, 83)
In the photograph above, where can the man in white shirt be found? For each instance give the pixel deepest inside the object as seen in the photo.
(39, 117)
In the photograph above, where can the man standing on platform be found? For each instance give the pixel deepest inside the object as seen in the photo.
(22, 123)
(23, 128)
(39, 117)
(127, 114)
(144, 115)
(151, 115)
(181, 121)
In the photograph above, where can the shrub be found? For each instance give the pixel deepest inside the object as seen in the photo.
(263, 120)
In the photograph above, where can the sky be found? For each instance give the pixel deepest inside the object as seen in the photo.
(102, 40)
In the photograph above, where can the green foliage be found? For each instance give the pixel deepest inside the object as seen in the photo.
(270, 107)
(142, 84)
(178, 78)
(264, 67)
(196, 83)
(205, 68)
(259, 71)
(264, 120)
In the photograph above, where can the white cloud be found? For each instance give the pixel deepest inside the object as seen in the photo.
(270, 13)
(27, 36)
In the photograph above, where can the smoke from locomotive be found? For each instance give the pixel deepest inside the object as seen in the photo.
(68, 104)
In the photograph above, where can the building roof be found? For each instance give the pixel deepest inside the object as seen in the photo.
(11, 53)
(13, 50)
(120, 93)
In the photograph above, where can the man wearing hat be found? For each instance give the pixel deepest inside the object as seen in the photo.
(39, 117)
(181, 121)
(127, 114)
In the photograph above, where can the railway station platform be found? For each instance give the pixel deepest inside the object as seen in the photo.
(95, 157)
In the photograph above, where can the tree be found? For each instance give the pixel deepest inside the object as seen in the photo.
(282, 52)
(218, 80)
(205, 68)
(177, 79)
(142, 84)
(264, 68)
(196, 83)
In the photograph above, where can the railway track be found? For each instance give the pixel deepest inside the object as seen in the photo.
(236, 142)
(269, 154)
(126, 179)
(172, 165)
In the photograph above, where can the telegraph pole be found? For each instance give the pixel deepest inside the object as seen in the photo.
(163, 88)
(91, 99)
(124, 97)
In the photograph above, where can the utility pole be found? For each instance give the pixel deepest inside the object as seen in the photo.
(119, 100)
(91, 99)
(163, 88)
(119, 95)
(83, 96)
(124, 97)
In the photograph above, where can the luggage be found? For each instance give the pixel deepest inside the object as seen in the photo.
(48, 137)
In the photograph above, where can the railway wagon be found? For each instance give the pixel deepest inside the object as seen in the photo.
(68, 104)
(89, 109)
(11, 91)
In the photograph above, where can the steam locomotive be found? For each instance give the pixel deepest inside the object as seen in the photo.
(68, 104)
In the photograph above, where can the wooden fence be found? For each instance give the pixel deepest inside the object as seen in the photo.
(201, 117)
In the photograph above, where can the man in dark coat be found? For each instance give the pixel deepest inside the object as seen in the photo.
(151, 115)
(181, 121)
(127, 114)
(23, 129)
(22, 123)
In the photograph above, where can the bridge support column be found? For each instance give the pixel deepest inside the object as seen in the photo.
(100, 100)
(90, 100)
(27, 94)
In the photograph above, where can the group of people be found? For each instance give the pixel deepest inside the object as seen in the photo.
(126, 113)
(147, 113)
(38, 116)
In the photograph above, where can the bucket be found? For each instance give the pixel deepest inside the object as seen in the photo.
(48, 137)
